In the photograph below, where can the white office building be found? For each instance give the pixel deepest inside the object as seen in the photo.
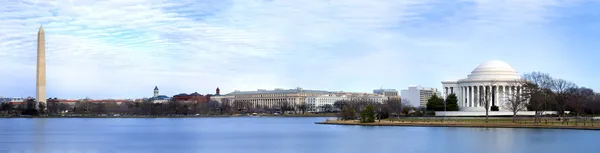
(417, 96)
(316, 103)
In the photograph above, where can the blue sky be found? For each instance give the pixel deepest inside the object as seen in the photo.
(122, 49)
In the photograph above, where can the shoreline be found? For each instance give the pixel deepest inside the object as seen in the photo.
(464, 125)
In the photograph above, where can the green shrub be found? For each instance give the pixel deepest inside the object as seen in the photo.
(494, 108)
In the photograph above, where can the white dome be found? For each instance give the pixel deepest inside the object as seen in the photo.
(494, 70)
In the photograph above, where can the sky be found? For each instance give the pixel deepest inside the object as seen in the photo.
(122, 49)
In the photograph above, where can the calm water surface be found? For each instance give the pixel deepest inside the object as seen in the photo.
(274, 135)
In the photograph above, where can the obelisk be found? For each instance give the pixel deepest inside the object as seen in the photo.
(40, 93)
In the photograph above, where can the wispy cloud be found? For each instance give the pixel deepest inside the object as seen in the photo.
(115, 48)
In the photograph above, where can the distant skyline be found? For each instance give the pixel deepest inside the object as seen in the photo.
(122, 49)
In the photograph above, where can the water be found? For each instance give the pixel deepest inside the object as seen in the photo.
(274, 135)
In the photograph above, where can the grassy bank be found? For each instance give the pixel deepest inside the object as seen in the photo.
(479, 123)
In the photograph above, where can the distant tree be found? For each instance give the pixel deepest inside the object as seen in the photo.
(578, 99)
(111, 107)
(225, 108)
(303, 107)
(541, 95)
(393, 105)
(517, 100)
(452, 102)
(340, 104)
(367, 115)
(485, 97)
(561, 89)
(407, 110)
(30, 108)
(327, 108)
(382, 111)
(347, 113)
(434, 103)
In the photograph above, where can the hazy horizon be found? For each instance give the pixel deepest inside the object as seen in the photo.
(122, 49)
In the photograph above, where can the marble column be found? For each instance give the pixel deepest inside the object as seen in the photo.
(445, 92)
(477, 96)
(496, 95)
(510, 92)
(461, 101)
(504, 94)
(464, 98)
(471, 96)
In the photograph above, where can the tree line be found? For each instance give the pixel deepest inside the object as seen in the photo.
(368, 111)
(172, 107)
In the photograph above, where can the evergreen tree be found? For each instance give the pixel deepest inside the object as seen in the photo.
(434, 103)
(451, 103)
(367, 115)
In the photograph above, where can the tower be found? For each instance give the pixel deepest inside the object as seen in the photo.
(218, 91)
(155, 91)
(40, 92)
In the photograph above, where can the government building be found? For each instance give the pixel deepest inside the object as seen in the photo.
(494, 77)
(314, 99)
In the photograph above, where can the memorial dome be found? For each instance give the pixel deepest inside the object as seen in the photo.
(494, 70)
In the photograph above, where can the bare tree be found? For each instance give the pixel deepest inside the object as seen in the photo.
(327, 108)
(561, 89)
(517, 100)
(394, 105)
(486, 96)
(303, 107)
(541, 83)
(578, 98)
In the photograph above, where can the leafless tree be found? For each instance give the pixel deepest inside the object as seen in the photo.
(541, 83)
(517, 100)
(394, 105)
(486, 96)
(561, 89)
(578, 98)
(303, 107)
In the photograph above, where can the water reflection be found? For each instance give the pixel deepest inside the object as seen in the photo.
(275, 135)
(39, 135)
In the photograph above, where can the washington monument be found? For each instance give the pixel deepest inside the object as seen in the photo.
(40, 92)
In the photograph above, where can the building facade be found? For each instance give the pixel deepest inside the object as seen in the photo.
(494, 77)
(417, 96)
(316, 103)
(386, 92)
(293, 97)
(158, 98)
(191, 98)
(274, 98)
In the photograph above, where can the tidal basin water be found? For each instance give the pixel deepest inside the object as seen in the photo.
(274, 135)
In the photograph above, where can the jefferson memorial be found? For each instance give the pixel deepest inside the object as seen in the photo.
(493, 77)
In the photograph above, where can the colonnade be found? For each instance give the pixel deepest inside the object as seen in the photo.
(475, 95)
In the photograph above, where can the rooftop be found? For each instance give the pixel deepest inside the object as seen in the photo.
(278, 90)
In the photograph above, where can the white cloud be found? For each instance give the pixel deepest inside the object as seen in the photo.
(116, 48)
